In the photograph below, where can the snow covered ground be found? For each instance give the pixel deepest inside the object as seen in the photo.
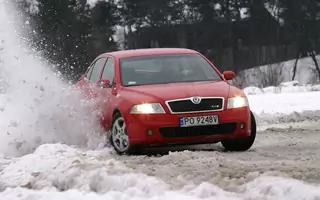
(269, 171)
(49, 150)
(286, 103)
(281, 72)
(284, 87)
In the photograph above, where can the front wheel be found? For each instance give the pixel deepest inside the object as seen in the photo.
(243, 143)
(119, 138)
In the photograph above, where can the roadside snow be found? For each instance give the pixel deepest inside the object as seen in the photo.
(60, 171)
(286, 107)
(285, 87)
(305, 74)
(286, 103)
(270, 188)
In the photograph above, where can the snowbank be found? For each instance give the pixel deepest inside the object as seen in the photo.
(288, 102)
(285, 107)
(280, 72)
(285, 87)
(62, 172)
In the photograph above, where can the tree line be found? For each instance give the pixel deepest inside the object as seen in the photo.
(233, 34)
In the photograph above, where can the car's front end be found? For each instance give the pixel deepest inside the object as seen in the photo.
(191, 120)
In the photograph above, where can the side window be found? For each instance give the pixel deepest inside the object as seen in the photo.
(95, 75)
(88, 75)
(108, 72)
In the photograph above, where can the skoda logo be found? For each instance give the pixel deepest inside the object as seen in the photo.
(196, 100)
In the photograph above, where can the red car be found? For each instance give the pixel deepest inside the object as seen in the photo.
(168, 96)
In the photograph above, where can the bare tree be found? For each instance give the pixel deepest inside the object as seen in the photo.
(314, 58)
(315, 78)
(241, 81)
(272, 75)
(313, 55)
(295, 66)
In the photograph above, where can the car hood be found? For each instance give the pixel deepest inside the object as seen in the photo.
(163, 92)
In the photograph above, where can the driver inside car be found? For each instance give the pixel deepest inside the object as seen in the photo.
(170, 72)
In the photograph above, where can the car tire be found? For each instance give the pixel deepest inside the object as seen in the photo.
(243, 143)
(119, 138)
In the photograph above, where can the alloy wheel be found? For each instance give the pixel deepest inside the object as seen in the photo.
(120, 138)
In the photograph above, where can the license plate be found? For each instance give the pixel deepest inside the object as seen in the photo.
(199, 121)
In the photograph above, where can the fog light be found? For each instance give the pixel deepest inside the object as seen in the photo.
(242, 126)
(150, 132)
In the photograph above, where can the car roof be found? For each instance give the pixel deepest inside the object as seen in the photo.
(149, 51)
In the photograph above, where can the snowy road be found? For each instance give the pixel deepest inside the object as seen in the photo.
(279, 152)
(287, 152)
(295, 152)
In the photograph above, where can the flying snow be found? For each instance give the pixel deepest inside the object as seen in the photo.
(36, 106)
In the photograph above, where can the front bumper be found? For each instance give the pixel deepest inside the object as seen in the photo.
(165, 128)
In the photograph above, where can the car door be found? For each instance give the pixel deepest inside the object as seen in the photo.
(107, 93)
(93, 77)
(83, 82)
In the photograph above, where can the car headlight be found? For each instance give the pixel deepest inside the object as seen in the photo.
(237, 102)
(148, 108)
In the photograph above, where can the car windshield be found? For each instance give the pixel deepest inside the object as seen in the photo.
(162, 69)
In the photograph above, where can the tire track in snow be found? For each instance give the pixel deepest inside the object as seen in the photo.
(289, 152)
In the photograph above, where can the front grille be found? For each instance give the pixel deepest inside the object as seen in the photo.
(186, 105)
(185, 132)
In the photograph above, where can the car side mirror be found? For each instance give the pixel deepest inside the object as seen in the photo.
(229, 75)
(104, 83)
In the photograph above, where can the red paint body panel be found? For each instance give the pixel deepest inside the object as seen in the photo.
(122, 99)
(138, 125)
